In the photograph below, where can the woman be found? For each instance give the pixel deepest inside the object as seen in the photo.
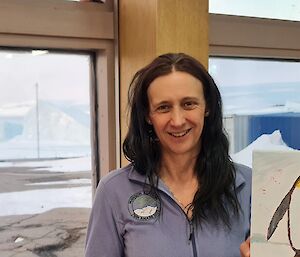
(181, 195)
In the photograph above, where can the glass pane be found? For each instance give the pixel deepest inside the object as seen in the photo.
(44, 105)
(45, 152)
(259, 97)
(273, 9)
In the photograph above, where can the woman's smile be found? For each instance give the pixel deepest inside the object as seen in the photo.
(180, 133)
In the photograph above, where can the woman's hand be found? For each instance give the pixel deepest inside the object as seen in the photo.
(245, 248)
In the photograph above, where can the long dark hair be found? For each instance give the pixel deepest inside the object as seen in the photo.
(216, 199)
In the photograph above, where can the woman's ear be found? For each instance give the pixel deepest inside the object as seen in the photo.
(206, 114)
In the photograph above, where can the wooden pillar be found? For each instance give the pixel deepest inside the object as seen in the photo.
(148, 28)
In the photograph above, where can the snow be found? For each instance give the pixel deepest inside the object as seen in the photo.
(15, 110)
(287, 108)
(55, 124)
(60, 130)
(59, 165)
(38, 201)
(146, 211)
(19, 239)
(66, 182)
(265, 142)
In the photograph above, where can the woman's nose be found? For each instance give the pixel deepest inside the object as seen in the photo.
(177, 117)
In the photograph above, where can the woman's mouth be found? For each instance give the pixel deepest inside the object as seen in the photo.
(179, 134)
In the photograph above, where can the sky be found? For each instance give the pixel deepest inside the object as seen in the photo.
(60, 77)
(276, 9)
(256, 84)
(239, 72)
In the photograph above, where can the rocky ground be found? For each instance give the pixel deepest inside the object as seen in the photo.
(59, 232)
(56, 233)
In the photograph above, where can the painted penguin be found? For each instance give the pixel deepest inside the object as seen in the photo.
(279, 213)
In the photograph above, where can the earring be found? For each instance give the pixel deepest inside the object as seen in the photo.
(206, 113)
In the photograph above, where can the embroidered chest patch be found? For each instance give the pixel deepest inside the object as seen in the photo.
(144, 206)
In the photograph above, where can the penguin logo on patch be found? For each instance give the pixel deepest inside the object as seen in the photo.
(143, 206)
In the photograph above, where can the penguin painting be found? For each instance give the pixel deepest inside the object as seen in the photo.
(284, 207)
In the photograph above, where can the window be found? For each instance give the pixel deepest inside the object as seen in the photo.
(259, 97)
(60, 28)
(248, 39)
(45, 135)
(44, 105)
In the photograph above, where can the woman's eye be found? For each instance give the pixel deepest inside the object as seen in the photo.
(189, 105)
(163, 108)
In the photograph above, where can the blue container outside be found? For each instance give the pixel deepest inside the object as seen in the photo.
(287, 123)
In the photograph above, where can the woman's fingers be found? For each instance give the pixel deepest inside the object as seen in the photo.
(245, 248)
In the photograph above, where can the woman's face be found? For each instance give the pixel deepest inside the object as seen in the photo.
(177, 111)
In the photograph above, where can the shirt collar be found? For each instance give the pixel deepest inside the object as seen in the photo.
(239, 179)
(137, 177)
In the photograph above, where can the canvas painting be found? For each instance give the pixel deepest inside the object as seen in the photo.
(275, 215)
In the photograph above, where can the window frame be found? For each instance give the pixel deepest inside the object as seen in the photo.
(62, 25)
(237, 36)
